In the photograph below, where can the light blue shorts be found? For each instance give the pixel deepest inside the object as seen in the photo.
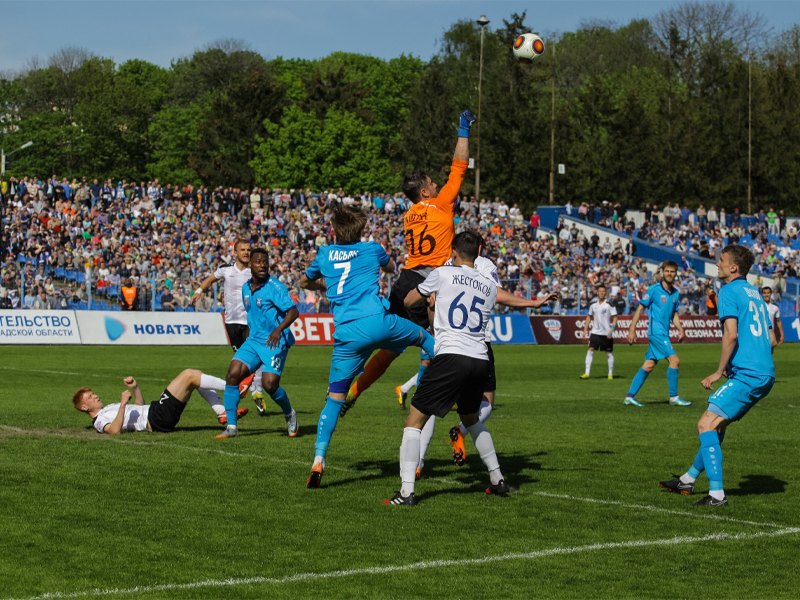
(741, 393)
(257, 354)
(659, 348)
(354, 342)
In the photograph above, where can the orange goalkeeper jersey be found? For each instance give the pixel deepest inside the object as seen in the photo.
(428, 226)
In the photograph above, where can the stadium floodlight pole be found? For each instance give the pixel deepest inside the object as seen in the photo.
(483, 22)
(2, 195)
(749, 133)
(553, 130)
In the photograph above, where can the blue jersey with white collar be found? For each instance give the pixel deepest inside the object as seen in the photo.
(661, 306)
(266, 308)
(351, 273)
(753, 352)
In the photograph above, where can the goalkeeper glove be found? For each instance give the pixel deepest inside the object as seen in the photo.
(467, 119)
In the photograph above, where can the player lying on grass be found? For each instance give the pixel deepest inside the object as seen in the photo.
(661, 301)
(459, 372)
(746, 359)
(270, 312)
(429, 228)
(162, 415)
(349, 272)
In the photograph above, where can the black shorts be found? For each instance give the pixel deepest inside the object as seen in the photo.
(407, 281)
(491, 381)
(165, 413)
(452, 379)
(601, 342)
(237, 334)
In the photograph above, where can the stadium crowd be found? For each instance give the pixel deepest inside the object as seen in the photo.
(139, 246)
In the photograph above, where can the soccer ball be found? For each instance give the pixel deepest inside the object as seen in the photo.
(527, 47)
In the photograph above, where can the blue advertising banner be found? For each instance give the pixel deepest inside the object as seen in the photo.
(510, 329)
(791, 328)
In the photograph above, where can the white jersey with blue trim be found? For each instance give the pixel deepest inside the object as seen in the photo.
(488, 269)
(464, 303)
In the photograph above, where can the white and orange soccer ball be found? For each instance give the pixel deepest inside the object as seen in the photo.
(528, 47)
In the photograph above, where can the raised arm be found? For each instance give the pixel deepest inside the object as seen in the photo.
(312, 284)
(130, 382)
(115, 427)
(207, 283)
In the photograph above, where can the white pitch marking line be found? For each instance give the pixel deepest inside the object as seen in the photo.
(698, 514)
(76, 373)
(433, 564)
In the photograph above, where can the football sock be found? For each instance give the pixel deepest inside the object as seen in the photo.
(375, 367)
(698, 466)
(672, 380)
(409, 459)
(422, 369)
(213, 400)
(485, 447)
(427, 343)
(231, 401)
(319, 459)
(327, 423)
(257, 387)
(426, 437)
(637, 383)
(210, 382)
(406, 387)
(282, 399)
(484, 412)
(589, 358)
(712, 460)
(611, 365)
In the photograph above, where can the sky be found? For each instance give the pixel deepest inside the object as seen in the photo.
(160, 31)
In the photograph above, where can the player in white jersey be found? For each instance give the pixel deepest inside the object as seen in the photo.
(460, 369)
(162, 415)
(235, 275)
(488, 269)
(774, 314)
(603, 317)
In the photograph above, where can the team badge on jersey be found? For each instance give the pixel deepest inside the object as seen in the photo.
(247, 301)
(663, 299)
(553, 328)
(258, 302)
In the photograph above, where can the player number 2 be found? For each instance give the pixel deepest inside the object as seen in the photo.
(345, 266)
(457, 306)
(756, 328)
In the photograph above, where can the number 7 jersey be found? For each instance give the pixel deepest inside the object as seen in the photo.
(741, 301)
(464, 303)
(351, 273)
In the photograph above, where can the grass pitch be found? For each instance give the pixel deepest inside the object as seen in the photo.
(185, 515)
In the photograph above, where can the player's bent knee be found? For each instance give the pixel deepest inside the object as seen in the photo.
(270, 382)
(469, 420)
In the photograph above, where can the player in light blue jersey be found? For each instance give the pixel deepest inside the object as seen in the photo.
(349, 271)
(661, 302)
(746, 359)
(270, 312)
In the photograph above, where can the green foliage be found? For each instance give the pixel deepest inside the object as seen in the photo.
(650, 111)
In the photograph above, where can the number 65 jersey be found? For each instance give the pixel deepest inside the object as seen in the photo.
(464, 303)
(741, 301)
